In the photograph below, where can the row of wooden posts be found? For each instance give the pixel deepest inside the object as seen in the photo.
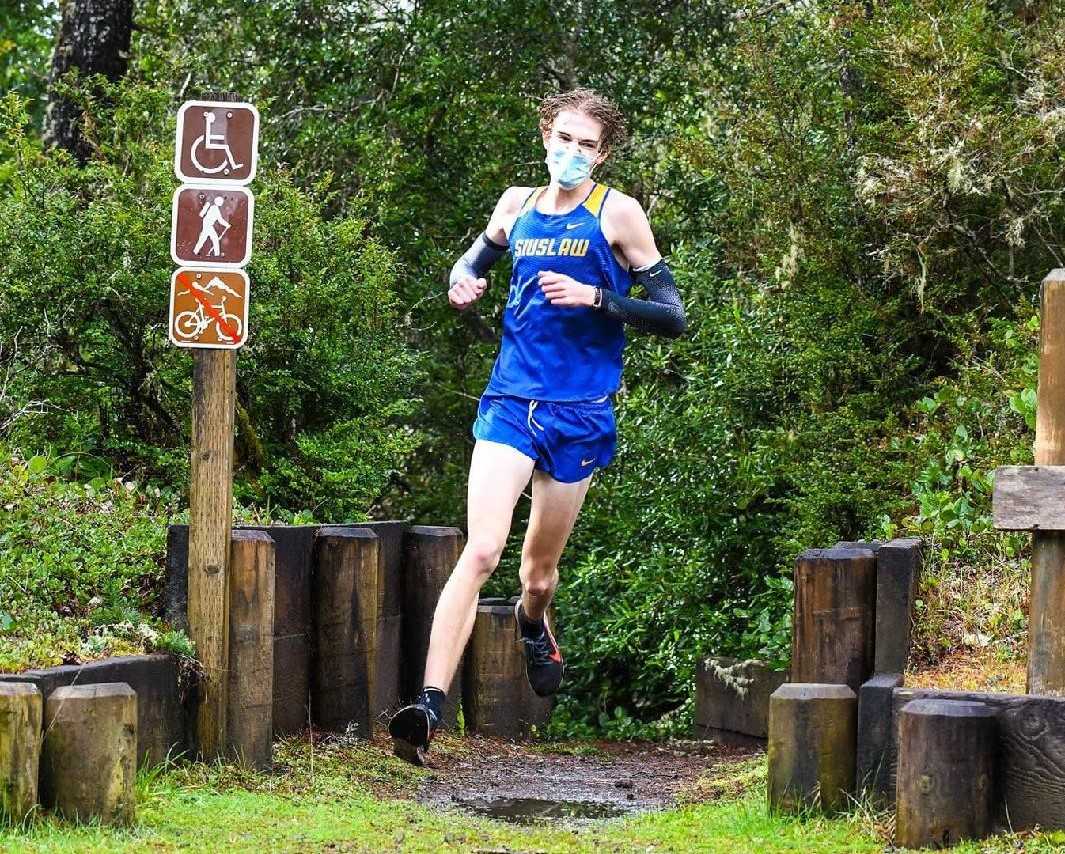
(76, 752)
(945, 777)
(339, 644)
(79, 742)
(852, 616)
(844, 728)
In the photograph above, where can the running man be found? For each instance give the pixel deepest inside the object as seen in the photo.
(547, 411)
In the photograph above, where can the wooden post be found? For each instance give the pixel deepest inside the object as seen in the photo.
(812, 744)
(89, 760)
(429, 555)
(345, 610)
(250, 717)
(946, 772)
(834, 619)
(21, 711)
(1046, 646)
(496, 696)
(388, 663)
(732, 700)
(210, 520)
(875, 721)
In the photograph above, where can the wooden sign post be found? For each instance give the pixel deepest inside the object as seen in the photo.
(210, 520)
(216, 146)
(1032, 498)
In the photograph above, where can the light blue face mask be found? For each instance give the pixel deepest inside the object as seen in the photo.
(568, 167)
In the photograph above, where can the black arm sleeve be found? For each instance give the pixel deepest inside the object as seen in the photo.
(476, 260)
(661, 313)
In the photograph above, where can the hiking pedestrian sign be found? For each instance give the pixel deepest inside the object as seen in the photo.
(208, 308)
(211, 225)
(217, 141)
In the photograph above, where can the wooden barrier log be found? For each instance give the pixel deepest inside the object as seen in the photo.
(812, 738)
(429, 555)
(945, 773)
(497, 698)
(388, 664)
(898, 573)
(21, 711)
(90, 749)
(875, 739)
(250, 718)
(732, 700)
(834, 619)
(345, 608)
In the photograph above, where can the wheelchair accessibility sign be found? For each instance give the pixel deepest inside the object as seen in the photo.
(217, 141)
(208, 308)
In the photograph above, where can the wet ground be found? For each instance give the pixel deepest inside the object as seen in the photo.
(574, 784)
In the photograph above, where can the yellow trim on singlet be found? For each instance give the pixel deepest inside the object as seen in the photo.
(594, 202)
(530, 200)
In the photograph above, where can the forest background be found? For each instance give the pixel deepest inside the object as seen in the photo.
(858, 200)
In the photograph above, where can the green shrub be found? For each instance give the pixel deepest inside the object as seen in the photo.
(80, 565)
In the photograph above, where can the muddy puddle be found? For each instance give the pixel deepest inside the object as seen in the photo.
(530, 784)
(536, 810)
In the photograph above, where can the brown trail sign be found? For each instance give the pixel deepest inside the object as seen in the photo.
(208, 308)
(211, 225)
(217, 140)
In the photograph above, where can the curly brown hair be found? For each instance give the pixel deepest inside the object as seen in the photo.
(591, 103)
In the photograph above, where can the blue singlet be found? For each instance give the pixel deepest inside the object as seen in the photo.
(552, 352)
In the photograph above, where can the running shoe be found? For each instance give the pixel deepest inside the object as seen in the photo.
(543, 659)
(412, 729)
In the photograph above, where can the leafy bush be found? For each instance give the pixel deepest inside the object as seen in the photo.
(80, 565)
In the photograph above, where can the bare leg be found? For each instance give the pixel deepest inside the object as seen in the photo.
(498, 474)
(555, 506)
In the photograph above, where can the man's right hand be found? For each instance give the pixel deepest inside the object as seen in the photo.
(465, 292)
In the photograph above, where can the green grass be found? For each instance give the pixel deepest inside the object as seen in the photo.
(176, 818)
(354, 797)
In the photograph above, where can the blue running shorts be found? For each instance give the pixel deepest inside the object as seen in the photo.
(567, 440)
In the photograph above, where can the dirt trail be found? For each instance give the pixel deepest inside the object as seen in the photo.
(529, 782)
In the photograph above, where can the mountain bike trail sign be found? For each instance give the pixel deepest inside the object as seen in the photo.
(208, 308)
(217, 141)
(211, 225)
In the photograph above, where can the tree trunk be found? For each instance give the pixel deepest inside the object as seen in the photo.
(94, 38)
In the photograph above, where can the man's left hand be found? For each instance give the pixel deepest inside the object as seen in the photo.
(560, 289)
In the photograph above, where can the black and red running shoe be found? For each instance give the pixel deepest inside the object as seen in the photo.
(543, 659)
(412, 729)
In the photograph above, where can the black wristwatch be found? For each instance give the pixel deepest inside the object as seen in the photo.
(597, 301)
